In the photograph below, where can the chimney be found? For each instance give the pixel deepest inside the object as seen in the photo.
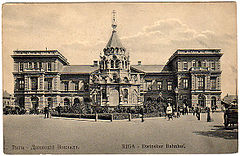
(139, 63)
(95, 63)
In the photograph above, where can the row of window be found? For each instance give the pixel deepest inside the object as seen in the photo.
(48, 83)
(201, 82)
(159, 85)
(185, 84)
(114, 64)
(35, 66)
(199, 64)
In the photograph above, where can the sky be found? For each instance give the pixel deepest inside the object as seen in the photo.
(150, 32)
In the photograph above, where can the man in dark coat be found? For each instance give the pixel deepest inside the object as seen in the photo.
(46, 112)
(59, 110)
(208, 114)
(198, 113)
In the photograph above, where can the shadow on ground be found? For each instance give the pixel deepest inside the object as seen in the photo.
(220, 132)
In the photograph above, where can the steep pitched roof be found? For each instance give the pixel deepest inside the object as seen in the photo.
(114, 41)
(150, 68)
(79, 69)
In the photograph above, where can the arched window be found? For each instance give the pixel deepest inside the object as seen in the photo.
(106, 64)
(125, 94)
(66, 102)
(34, 102)
(112, 64)
(126, 64)
(201, 100)
(123, 64)
(117, 64)
(213, 102)
(76, 101)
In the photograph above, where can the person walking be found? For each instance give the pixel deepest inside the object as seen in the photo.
(208, 114)
(45, 112)
(186, 110)
(59, 110)
(198, 113)
(169, 112)
(193, 110)
(178, 112)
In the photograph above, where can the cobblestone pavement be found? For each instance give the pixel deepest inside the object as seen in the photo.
(34, 134)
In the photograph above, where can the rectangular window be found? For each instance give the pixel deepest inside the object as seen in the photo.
(21, 66)
(34, 83)
(104, 94)
(159, 85)
(76, 85)
(185, 66)
(201, 82)
(40, 65)
(49, 84)
(49, 66)
(35, 65)
(66, 86)
(20, 84)
(213, 82)
(185, 83)
(169, 85)
(30, 65)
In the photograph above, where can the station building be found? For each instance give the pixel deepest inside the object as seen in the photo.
(190, 77)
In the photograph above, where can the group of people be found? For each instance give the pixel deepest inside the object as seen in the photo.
(185, 110)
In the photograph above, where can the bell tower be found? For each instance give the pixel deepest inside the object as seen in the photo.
(114, 61)
(112, 85)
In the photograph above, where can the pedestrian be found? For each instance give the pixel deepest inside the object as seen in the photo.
(208, 114)
(178, 113)
(46, 112)
(197, 113)
(49, 112)
(193, 111)
(142, 113)
(169, 112)
(59, 110)
(186, 110)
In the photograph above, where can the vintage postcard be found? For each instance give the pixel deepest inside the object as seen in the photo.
(119, 78)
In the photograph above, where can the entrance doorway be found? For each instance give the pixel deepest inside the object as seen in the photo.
(114, 97)
(35, 103)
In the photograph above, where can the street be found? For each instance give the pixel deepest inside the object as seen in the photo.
(34, 134)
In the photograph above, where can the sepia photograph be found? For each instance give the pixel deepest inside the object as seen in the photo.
(120, 78)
